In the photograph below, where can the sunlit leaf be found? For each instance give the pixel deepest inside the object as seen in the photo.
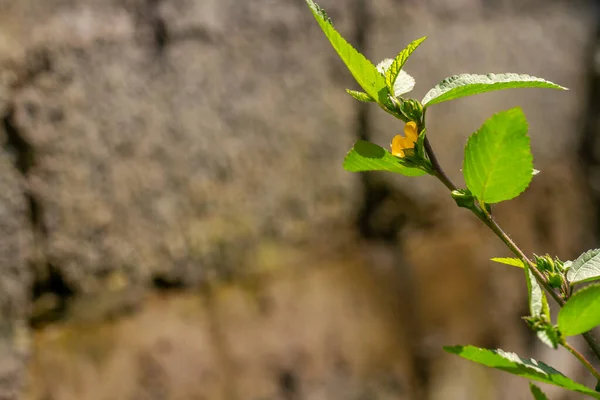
(498, 163)
(458, 86)
(392, 73)
(581, 312)
(515, 262)
(526, 367)
(365, 73)
(367, 156)
(586, 268)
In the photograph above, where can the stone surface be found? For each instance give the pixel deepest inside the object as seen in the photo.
(322, 329)
(197, 145)
(15, 277)
(174, 160)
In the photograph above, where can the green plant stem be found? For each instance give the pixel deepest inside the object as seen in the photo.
(489, 221)
(581, 359)
(437, 169)
(493, 225)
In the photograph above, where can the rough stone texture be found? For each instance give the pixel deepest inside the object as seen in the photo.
(173, 159)
(331, 333)
(16, 243)
(186, 143)
(15, 280)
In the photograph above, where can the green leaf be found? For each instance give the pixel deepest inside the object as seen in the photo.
(498, 162)
(362, 69)
(586, 268)
(391, 74)
(549, 336)
(404, 82)
(525, 367)
(581, 312)
(366, 156)
(463, 85)
(537, 392)
(535, 294)
(539, 308)
(515, 262)
(360, 96)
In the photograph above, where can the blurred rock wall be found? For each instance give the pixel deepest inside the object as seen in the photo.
(176, 223)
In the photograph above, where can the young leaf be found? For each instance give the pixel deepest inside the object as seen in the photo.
(360, 96)
(539, 308)
(581, 312)
(391, 74)
(550, 336)
(537, 392)
(404, 82)
(498, 162)
(361, 69)
(535, 294)
(525, 367)
(464, 85)
(586, 268)
(515, 262)
(384, 65)
(367, 156)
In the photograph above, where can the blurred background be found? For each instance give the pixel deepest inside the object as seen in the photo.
(175, 222)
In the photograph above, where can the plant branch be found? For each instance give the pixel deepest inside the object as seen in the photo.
(437, 169)
(435, 164)
(493, 225)
(489, 221)
(581, 359)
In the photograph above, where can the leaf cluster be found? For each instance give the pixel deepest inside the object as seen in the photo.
(497, 166)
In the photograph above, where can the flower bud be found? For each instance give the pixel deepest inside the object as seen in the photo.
(545, 263)
(555, 280)
(412, 109)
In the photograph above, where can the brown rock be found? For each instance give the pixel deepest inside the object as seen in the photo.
(15, 276)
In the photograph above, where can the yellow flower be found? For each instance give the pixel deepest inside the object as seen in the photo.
(401, 143)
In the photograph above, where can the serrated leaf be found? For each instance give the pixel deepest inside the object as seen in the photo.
(498, 161)
(525, 367)
(515, 262)
(586, 268)
(367, 156)
(581, 312)
(537, 392)
(384, 65)
(360, 96)
(464, 85)
(392, 73)
(361, 69)
(404, 82)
